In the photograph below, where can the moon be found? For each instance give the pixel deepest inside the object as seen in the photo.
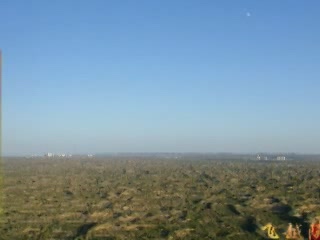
(248, 14)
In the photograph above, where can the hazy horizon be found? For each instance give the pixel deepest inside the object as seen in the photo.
(101, 154)
(169, 76)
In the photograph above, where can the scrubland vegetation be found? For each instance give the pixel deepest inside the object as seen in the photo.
(155, 199)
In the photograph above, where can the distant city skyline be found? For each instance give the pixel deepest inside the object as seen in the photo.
(160, 76)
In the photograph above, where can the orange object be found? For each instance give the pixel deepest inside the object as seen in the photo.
(314, 231)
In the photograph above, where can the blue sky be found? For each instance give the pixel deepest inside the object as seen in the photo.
(145, 76)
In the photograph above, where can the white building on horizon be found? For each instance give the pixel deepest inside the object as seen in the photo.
(281, 158)
(49, 154)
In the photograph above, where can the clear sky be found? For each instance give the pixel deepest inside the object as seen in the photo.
(170, 75)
